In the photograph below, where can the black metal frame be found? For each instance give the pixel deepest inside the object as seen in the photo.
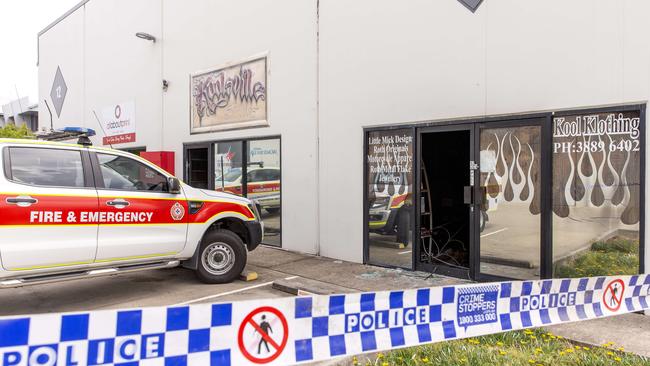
(209, 144)
(198, 145)
(545, 168)
(427, 267)
(542, 119)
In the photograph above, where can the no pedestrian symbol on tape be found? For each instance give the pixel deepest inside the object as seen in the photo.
(263, 334)
(613, 295)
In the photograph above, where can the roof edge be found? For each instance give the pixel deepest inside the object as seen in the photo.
(65, 15)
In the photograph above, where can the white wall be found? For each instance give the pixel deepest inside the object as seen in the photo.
(385, 62)
(103, 63)
(202, 34)
(120, 67)
(63, 46)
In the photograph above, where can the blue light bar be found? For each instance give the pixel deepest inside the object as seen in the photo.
(79, 130)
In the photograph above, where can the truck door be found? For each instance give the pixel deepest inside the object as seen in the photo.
(138, 217)
(46, 193)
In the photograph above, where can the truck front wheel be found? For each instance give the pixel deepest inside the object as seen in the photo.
(222, 257)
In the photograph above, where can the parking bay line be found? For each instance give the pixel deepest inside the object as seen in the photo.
(494, 232)
(405, 252)
(231, 292)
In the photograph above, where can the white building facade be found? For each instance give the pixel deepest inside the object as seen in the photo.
(348, 108)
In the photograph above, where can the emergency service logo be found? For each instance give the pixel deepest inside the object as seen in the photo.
(177, 211)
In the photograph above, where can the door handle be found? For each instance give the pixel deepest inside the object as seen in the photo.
(119, 203)
(468, 195)
(21, 201)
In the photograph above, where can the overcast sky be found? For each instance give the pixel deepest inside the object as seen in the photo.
(20, 22)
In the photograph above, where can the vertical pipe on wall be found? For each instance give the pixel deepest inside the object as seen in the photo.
(644, 256)
(318, 162)
(162, 77)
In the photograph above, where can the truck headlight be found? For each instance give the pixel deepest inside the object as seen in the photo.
(253, 208)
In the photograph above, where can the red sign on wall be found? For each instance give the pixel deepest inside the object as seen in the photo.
(119, 139)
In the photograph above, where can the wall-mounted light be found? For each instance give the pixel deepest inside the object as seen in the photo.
(146, 36)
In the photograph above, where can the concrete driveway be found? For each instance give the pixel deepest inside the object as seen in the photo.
(180, 286)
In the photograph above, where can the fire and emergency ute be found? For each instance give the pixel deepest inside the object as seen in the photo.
(69, 211)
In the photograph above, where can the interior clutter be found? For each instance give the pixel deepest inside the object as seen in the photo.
(444, 217)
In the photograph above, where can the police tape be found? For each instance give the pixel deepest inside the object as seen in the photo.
(304, 329)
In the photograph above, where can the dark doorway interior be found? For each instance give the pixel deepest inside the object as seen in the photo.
(197, 160)
(444, 215)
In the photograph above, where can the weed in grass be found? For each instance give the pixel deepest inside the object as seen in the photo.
(528, 347)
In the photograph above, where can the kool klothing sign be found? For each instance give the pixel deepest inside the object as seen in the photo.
(119, 123)
(596, 160)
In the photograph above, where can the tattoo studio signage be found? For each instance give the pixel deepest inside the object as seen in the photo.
(597, 165)
(229, 97)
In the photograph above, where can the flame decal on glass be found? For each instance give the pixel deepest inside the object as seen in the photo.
(596, 164)
(514, 177)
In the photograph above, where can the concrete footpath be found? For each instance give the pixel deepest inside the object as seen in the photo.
(629, 331)
(281, 274)
(320, 275)
(323, 275)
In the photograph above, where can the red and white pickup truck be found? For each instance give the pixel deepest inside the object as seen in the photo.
(70, 211)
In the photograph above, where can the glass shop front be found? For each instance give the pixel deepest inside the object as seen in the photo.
(557, 194)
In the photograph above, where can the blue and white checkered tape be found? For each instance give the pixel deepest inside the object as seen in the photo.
(304, 329)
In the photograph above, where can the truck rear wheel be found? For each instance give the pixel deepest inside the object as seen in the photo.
(222, 257)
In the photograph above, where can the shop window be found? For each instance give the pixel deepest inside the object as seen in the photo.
(596, 193)
(228, 170)
(389, 197)
(254, 174)
(510, 220)
(263, 185)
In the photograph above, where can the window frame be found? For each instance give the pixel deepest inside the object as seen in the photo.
(99, 177)
(243, 182)
(86, 167)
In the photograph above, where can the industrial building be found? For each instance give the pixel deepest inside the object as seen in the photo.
(494, 139)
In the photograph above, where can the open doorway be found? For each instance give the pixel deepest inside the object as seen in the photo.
(444, 202)
(197, 174)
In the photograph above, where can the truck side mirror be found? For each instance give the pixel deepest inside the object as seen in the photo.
(174, 185)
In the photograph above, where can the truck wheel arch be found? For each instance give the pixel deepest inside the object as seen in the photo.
(227, 223)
